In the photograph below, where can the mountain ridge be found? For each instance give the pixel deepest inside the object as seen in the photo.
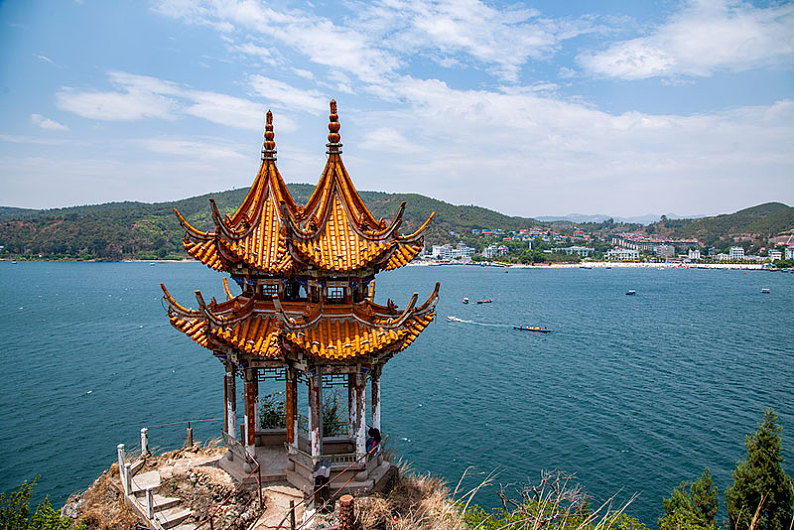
(133, 229)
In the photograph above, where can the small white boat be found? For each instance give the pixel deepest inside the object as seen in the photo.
(631, 292)
(765, 290)
(454, 319)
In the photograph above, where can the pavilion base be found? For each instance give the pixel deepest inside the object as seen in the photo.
(277, 466)
(376, 476)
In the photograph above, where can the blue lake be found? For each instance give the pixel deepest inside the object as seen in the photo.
(632, 394)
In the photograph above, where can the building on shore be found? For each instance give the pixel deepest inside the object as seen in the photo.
(623, 254)
(493, 251)
(789, 252)
(448, 252)
(583, 252)
(774, 255)
(304, 315)
(736, 253)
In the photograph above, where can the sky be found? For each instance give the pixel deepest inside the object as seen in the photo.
(529, 108)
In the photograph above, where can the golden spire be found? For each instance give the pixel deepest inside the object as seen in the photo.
(333, 144)
(269, 149)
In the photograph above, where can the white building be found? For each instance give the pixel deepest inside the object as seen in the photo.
(736, 253)
(693, 254)
(775, 254)
(463, 250)
(790, 252)
(442, 251)
(623, 254)
(664, 251)
(581, 251)
(492, 251)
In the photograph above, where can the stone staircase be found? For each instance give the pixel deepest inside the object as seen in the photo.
(168, 512)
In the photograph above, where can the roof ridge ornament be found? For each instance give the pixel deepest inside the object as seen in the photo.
(269, 147)
(333, 144)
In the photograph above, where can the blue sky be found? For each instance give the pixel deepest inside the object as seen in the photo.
(529, 108)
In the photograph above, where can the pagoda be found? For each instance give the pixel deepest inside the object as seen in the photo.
(305, 314)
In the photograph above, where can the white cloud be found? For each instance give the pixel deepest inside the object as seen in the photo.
(501, 149)
(192, 148)
(44, 58)
(707, 36)
(387, 139)
(379, 39)
(47, 123)
(140, 97)
(287, 96)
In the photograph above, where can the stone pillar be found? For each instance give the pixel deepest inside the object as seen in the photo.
(230, 401)
(145, 442)
(351, 405)
(291, 405)
(375, 383)
(315, 413)
(251, 398)
(361, 425)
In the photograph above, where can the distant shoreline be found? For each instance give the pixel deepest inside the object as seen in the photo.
(604, 265)
(583, 265)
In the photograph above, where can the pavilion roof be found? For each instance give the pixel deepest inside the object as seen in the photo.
(273, 329)
(334, 231)
(252, 234)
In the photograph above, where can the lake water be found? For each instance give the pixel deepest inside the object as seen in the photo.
(633, 394)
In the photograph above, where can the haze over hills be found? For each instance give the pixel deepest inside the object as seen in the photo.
(145, 230)
(600, 218)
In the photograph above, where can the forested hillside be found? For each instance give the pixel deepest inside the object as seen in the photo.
(140, 230)
(126, 230)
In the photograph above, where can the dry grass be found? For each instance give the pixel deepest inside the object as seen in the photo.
(417, 502)
(102, 506)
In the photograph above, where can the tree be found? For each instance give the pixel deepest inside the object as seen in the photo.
(759, 480)
(15, 512)
(692, 506)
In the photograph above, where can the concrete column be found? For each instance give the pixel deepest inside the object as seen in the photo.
(361, 425)
(149, 503)
(315, 413)
(122, 459)
(144, 442)
(291, 405)
(230, 398)
(351, 405)
(127, 478)
(251, 391)
(375, 383)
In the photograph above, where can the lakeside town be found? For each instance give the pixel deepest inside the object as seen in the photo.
(539, 246)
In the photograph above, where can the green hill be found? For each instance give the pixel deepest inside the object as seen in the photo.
(751, 226)
(122, 230)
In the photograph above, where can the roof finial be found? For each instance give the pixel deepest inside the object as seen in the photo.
(333, 144)
(269, 149)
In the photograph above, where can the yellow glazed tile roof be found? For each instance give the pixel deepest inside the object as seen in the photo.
(261, 328)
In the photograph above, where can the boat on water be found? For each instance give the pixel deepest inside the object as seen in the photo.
(631, 292)
(487, 301)
(765, 290)
(465, 300)
(454, 319)
(533, 328)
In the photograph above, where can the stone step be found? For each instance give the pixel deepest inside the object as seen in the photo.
(160, 502)
(143, 481)
(172, 517)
